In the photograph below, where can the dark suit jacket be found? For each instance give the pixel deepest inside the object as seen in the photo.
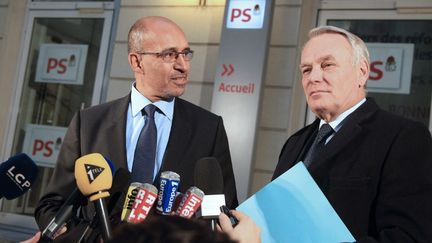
(195, 133)
(376, 172)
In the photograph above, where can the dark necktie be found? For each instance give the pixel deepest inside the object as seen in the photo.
(324, 132)
(145, 151)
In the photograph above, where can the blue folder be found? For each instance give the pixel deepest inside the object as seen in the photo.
(292, 208)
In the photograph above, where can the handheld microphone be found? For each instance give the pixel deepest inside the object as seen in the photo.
(168, 186)
(59, 220)
(17, 175)
(94, 178)
(205, 169)
(177, 200)
(130, 198)
(190, 202)
(120, 183)
(144, 200)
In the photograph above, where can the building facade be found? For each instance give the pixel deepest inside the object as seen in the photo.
(35, 110)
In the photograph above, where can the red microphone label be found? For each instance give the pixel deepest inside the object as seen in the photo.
(190, 202)
(144, 200)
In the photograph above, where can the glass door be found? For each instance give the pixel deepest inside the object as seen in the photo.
(63, 60)
(401, 48)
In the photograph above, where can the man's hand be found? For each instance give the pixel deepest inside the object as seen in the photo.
(34, 239)
(245, 232)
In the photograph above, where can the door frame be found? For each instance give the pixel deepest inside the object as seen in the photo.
(23, 226)
(60, 10)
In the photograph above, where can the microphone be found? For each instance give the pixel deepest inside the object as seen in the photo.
(144, 200)
(17, 175)
(120, 183)
(64, 214)
(130, 198)
(206, 168)
(94, 178)
(190, 202)
(168, 186)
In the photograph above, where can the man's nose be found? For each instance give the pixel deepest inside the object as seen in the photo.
(315, 75)
(181, 63)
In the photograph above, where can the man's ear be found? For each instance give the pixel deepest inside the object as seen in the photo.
(135, 63)
(363, 72)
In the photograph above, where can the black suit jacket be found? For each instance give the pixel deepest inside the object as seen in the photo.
(376, 172)
(195, 133)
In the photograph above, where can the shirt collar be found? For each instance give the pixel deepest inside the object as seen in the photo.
(337, 123)
(139, 101)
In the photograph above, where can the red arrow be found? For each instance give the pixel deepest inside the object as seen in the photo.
(231, 69)
(228, 70)
(224, 70)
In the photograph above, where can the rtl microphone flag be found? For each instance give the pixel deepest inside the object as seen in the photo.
(144, 200)
(17, 175)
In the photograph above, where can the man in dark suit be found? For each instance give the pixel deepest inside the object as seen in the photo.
(159, 56)
(374, 167)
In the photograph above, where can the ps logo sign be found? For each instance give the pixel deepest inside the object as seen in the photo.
(245, 14)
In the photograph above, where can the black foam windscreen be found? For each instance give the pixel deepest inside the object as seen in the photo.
(118, 191)
(208, 176)
(17, 175)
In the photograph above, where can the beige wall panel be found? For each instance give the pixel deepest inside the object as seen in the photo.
(281, 66)
(3, 16)
(118, 88)
(285, 29)
(201, 25)
(268, 149)
(290, 2)
(170, 2)
(120, 67)
(275, 108)
(259, 180)
(204, 63)
(199, 94)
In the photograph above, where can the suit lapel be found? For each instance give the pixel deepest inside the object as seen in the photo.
(180, 133)
(117, 133)
(351, 128)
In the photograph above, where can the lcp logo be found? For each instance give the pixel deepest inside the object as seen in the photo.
(246, 14)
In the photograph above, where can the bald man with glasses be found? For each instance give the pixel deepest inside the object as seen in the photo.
(159, 56)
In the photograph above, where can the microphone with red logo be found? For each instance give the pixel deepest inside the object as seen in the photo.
(144, 199)
(129, 199)
(94, 178)
(17, 175)
(190, 202)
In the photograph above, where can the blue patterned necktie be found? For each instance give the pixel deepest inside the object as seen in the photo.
(145, 151)
(324, 132)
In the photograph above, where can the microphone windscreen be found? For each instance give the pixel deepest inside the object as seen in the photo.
(111, 165)
(119, 189)
(208, 176)
(93, 176)
(17, 175)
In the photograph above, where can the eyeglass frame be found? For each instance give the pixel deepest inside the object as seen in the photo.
(166, 52)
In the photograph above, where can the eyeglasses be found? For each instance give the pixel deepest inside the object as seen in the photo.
(171, 56)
